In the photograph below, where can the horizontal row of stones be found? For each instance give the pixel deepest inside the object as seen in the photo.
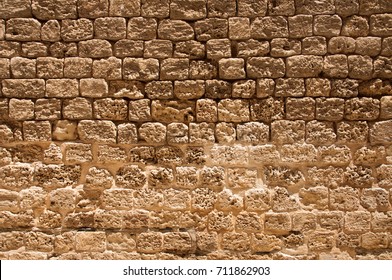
(280, 132)
(194, 190)
(186, 9)
(159, 48)
(200, 242)
(235, 28)
(149, 69)
(202, 110)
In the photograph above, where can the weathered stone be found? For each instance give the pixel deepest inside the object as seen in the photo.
(265, 67)
(172, 111)
(97, 131)
(183, 9)
(23, 29)
(128, 48)
(269, 27)
(316, 45)
(233, 110)
(339, 155)
(153, 132)
(21, 109)
(300, 26)
(284, 131)
(218, 89)
(329, 109)
(216, 8)
(23, 88)
(77, 109)
(175, 30)
(174, 69)
(380, 25)
(368, 46)
(253, 132)
(362, 109)
(76, 30)
(110, 109)
(267, 110)
(93, 9)
(252, 48)
(119, 8)
(95, 48)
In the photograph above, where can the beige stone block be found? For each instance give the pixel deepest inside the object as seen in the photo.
(341, 45)
(264, 154)
(298, 153)
(153, 132)
(218, 89)
(380, 25)
(283, 47)
(285, 131)
(381, 222)
(327, 25)
(187, 10)
(375, 199)
(117, 199)
(20, 68)
(265, 67)
(206, 110)
(97, 131)
(368, 46)
(265, 243)
(329, 109)
(277, 223)
(76, 30)
(121, 8)
(160, 177)
(360, 67)
(225, 132)
(269, 27)
(172, 111)
(95, 48)
(334, 154)
(177, 133)
(140, 110)
(201, 133)
(37, 131)
(127, 133)
(316, 45)
(10, 49)
(345, 199)
(77, 67)
(253, 132)
(233, 110)
(6, 134)
(50, 31)
(23, 29)
(190, 49)
(62, 200)
(382, 67)
(212, 177)
(189, 89)
(283, 176)
(235, 241)
(211, 28)
(178, 242)
(207, 241)
(216, 8)
(158, 49)
(90, 241)
(352, 132)
(304, 66)
(49, 67)
(159, 89)
(246, 89)
(155, 8)
(239, 28)
(175, 30)
(64, 130)
(267, 110)
(252, 47)
(77, 152)
(23, 88)
(141, 69)
(149, 242)
(314, 197)
(21, 109)
(128, 48)
(321, 240)
(111, 154)
(314, 7)
(320, 132)
(231, 68)
(218, 48)
(203, 199)
(111, 109)
(93, 9)
(220, 221)
(362, 109)
(300, 26)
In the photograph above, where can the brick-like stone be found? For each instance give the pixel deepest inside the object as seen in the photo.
(174, 69)
(119, 8)
(23, 29)
(37, 131)
(95, 48)
(97, 131)
(231, 68)
(218, 48)
(175, 30)
(93, 88)
(265, 67)
(21, 109)
(23, 88)
(233, 110)
(77, 109)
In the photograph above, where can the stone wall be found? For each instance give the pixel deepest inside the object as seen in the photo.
(196, 129)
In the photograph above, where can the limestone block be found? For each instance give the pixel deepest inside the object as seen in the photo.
(121, 241)
(127, 89)
(352, 132)
(360, 67)
(220, 221)
(375, 199)
(10, 49)
(384, 172)
(373, 241)
(110, 109)
(175, 30)
(381, 24)
(111, 154)
(298, 153)
(186, 177)
(18, 8)
(148, 199)
(95, 48)
(321, 240)
(119, 199)
(314, 197)
(346, 8)
(47, 109)
(64, 130)
(358, 176)
(20, 68)
(153, 132)
(233, 110)
(77, 109)
(37, 131)
(120, 8)
(230, 155)
(90, 241)
(369, 155)
(127, 133)
(235, 241)
(218, 89)
(76, 30)
(239, 28)
(142, 154)
(201, 133)
(172, 111)
(97, 131)
(23, 88)
(77, 152)
(39, 241)
(186, 10)
(23, 29)
(362, 109)
(203, 199)
(149, 242)
(300, 26)
(317, 87)
(320, 132)
(368, 46)
(93, 9)
(264, 154)
(329, 109)
(231, 68)
(139, 110)
(128, 48)
(189, 49)
(160, 177)
(316, 45)
(218, 48)
(386, 49)
(277, 223)
(174, 69)
(336, 66)
(265, 243)
(75, 67)
(63, 49)
(225, 132)
(98, 179)
(2, 29)
(169, 155)
(206, 241)
(341, 45)
(283, 47)
(300, 108)
(327, 25)
(62, 200)
(206, 110)
(189, 89)
(289, 87)
(282, 176)
(265, 67)
(178, 242)
(282, 201)
(269, 27)
(253, 132)
(344, 199)
(252, 48)
(159, 89)
(212, 177)
(266, 110)
(176, 199)
(357, 222)
(285, 131)
(21, 109)
(158, 48)
(93, 87)
(355, 26)
(48, 67)
(304, 66)
(246, 89)
(177, 133)
(79, 220)
(381, 222)
(216, 8)
(374, 87)
(211, 28)
(382, 67)
(333, 154)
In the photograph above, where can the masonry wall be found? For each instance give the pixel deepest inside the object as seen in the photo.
(157, 129)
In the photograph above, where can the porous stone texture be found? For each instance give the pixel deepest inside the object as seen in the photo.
(195, 129)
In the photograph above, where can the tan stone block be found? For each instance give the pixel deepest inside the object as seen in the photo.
(77, 109)
(56, 9)
(48, 67)
(178, 242)
(98, 131)
(320, 132)
(148, 199)
(283, 47)
(5, 156)
(175, 30)
(357, 222)
(252, 48)
(206, 110)
(380, 25)
(141, 69)
(2, 29)
(284, 131)
(110, 109)
(177, 133)
(172, 111)
(201, 133)
(269, 27)
(382, 67)
(142, 154)
(6, 134)
(109, 69)
(186, 10)
(47, 109)
(98, 179)
(314, 197)
(155, 8)
(358, 176)
(79, 220)
(121, 241)
(386, 49)
(264, 154)
(149, 242)
(90, 241)
(140, 110)
(77, 152)
(10, 49)
(373, 241)
(218, 48)
(104, 219)
(32, 198)
(95, 48)
(336, 66)
(235, 241)
(190, 49)
(62, 200)
(21, 109)
(130, 176)
(333, 154)
(362, 109)
(265, 87)
(299, 153)
(121, 8)
(211, 28)
(321, 240)
(76, 30)
(329, 109)
(285, 87)
(111, 154)
(316, 45)
(282, 176)
(355, 26)
(344, 199)
(314, 7)
(352, 132)
(128, 48)
(37, 131)
(227, 201)
(153, 132)
(220, 221)
(225, 132)
(341, 45)
(265, 243)
(317, 87)
(233, 110)
(207, 241)
(245, 89)
(23, 29)
(239, 28)
(283, 201)
(267, 110)
(218, 89)
(300, 26)
(212, 177)
(158, 49)
(203, 199)
(117, 199)
(159, 89)
(9, 200)
(375, 199)
(20, 68)
(169, 155)
(304, 66)
(231, 68)
(76, 67)
(360, 67)
(277, 223)
(368, 46)
(381, 221)
(186, 177)
(20, 220)
(39, 241)
(265, 67)
(11, 240)
(300, 108)
(216, 8)
(23, 88)
(50, 31)
(253, 132)
(189, 89)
